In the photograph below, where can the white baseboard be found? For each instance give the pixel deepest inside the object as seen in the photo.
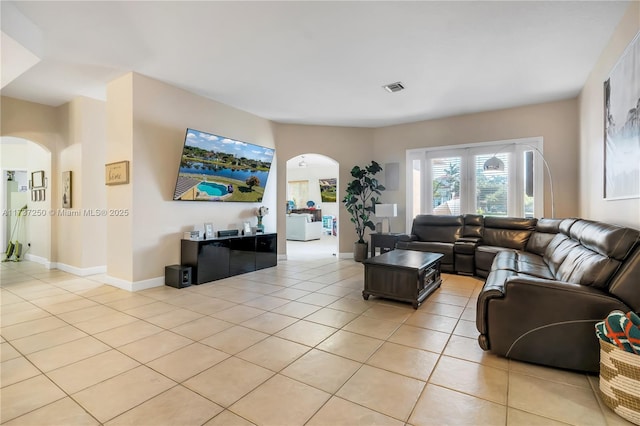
(282, 257)
(134, 286)
(81, 272)
(345, 255)
(39, 259)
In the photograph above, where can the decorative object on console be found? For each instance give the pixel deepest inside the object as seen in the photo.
(385, 211)
(261, 212)
(191, 235)
(621, 128)
(360, 201)
(494, 164)
(208, 231)
(216, 168)
(228, 233)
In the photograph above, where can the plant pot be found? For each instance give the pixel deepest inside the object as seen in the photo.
(360, 251)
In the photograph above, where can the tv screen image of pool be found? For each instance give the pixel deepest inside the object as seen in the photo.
(217, 168)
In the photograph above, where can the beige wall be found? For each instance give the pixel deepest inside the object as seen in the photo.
(556, 122)
(146, 125)
(347, 145)
(81, 237)
(591, 109)
(69, 137)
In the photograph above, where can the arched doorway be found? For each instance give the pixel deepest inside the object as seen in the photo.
(312, 182)
(22, 161)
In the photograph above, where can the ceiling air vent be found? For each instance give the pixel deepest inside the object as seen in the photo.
(394, 87)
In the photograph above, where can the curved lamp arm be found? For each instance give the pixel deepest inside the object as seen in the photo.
(544, 160)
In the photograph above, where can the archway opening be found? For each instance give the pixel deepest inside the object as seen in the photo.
(312, 207)
(25, 180)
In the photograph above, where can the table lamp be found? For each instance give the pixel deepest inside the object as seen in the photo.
(385, 211)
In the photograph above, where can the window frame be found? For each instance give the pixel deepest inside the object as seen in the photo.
(516, 195)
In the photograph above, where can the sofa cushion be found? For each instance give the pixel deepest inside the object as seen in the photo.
(508, 232)
(546, 229)
(523, 263)
(586, 267)
(557, 251)
(485, 256)
(445, 229)
(608, 240)
(473, 225)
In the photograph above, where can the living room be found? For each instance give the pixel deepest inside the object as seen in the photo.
(142, 119)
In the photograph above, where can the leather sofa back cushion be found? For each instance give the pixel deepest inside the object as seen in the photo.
(508, 232)
(608, 240)
(586, 267)
(445, 229)
(546, 229)
(473, 225)
(557, 251)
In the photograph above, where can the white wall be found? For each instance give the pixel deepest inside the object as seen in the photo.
(591, 107)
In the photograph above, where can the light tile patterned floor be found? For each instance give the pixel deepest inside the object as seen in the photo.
(290, 345)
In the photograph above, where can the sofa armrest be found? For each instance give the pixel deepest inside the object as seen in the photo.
(525, 303)
(556, 298)
(406, 237)
(466, 245)
(470, 240)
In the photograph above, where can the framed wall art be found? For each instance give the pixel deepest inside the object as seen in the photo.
(328, 190)
(38, 180)
(622, 126)
(117, 173)
(66, 190)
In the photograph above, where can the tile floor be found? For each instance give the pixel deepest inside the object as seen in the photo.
(290, 345)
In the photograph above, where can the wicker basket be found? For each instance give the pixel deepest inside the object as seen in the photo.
(620, 381)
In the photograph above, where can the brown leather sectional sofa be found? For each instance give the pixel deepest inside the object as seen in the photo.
(548, 281)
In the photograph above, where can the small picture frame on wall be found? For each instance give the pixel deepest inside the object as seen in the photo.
(37, 179)
(208, 231)
(117, 173)
(66, 190)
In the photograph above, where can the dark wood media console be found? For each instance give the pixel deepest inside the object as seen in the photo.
(224, 257)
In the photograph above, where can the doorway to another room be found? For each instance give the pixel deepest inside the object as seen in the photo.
(312, 207)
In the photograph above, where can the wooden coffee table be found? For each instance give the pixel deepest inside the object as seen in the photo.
(405, 275)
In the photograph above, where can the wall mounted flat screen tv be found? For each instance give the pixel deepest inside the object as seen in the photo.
(216, 168)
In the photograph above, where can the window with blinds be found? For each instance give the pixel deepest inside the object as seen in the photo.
(453, 181)
(445, 181)
(491, 187)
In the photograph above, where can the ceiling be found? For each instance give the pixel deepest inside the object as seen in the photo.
(315, 62)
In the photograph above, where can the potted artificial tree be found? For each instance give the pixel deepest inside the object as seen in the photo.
(360, 202)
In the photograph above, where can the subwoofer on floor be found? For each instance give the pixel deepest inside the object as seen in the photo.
(177, 276)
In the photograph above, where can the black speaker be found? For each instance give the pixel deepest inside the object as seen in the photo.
(177, 276)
